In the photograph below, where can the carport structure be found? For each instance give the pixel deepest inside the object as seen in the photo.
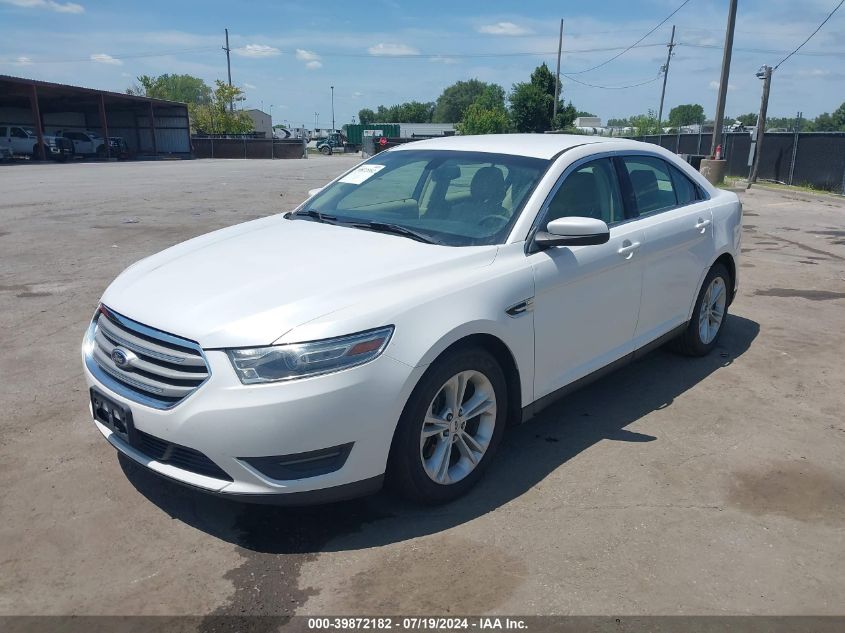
(150, 127)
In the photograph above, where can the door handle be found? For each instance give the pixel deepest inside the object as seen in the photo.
(702, 224)
(628, 249)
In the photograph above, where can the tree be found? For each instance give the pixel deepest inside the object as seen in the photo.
(619, 122)
(215, 117)
(455, 99)
(748, 120)
(687, 114)
(184, 88)
(581, 113)
(408, 112)
(480, 120)
(566, 115)
(412, 112)
(824, 123)
(492, 98)
(644, 123)
(532, 104)
(530, 108)
(839, 117)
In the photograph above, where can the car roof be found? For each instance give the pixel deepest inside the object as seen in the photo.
(535, 145)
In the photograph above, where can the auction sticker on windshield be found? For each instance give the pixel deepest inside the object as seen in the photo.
(359, 175)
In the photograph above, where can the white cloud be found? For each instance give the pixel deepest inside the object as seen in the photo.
(249, 86)
(306, 56)
(59, 7)
(444, 60)
(22, 61)
(357, 94)
(256, 50)
(392, 50)
(102, 58)
(504, 28)
(714, 85)
(311, 59)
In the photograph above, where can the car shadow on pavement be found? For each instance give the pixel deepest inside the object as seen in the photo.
(528, 453)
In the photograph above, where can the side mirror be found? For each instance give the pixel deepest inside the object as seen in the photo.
(314, 192)
(573, 231)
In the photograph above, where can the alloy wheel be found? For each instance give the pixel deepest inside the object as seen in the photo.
(458, 427)
(712, 311)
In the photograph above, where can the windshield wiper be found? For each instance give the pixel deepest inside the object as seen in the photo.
(395, 229)
(314, 215)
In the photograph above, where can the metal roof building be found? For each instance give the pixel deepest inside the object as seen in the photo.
(151, 127)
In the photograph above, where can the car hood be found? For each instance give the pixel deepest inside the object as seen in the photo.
(252, 283)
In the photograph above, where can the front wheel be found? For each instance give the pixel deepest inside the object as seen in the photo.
(450, 428)
(708, 316)
(326, 150)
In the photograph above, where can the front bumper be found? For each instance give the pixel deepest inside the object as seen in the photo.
(228, 422)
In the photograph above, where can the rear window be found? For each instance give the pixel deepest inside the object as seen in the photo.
(651, 184)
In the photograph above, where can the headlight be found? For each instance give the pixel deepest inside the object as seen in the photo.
(299, 360)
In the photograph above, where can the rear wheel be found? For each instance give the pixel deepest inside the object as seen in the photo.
(450, 428)
(708, 316)
(326, 150)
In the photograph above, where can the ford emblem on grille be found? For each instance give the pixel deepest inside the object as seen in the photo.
(121, 357)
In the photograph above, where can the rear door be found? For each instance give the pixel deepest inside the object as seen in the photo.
(677, 222)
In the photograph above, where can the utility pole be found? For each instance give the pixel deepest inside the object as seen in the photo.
(557, 72)
(316, 117)
(723, 82)
(229, 69)
(671, 46)
(765, 73)
(333, 128)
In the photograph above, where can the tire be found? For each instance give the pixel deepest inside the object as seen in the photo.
(325, 150)
(416, 462)
(696, 340)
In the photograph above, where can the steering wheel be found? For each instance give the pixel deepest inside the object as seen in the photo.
(493, 221)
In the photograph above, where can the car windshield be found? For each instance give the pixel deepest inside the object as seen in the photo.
(452, 198)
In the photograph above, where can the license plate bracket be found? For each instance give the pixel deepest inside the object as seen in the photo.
(117, 417)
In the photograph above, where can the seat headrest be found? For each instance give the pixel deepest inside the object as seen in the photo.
(488, 185)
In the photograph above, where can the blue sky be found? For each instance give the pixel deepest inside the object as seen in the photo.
(386, 51)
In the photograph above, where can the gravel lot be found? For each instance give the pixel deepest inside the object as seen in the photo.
(674, 486)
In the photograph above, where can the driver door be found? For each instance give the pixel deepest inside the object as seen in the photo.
(587, 298)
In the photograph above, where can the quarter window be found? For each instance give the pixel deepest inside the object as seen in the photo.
(590, 191)
(651, 184)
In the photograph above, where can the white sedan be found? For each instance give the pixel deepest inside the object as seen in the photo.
(391, 326)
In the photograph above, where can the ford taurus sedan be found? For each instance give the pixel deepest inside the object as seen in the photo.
(390, 327)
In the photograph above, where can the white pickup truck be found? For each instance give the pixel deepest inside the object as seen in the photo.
(23, 140)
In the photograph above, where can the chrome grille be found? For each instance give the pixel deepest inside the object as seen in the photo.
(161, 369)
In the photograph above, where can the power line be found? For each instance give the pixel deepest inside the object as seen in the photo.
(765, 51)
(634, 85)
(618, 55)
(818, 28)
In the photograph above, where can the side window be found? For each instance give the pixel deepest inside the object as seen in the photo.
(18, 133)
(590, 191)
(685, 189)
(651, 183)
